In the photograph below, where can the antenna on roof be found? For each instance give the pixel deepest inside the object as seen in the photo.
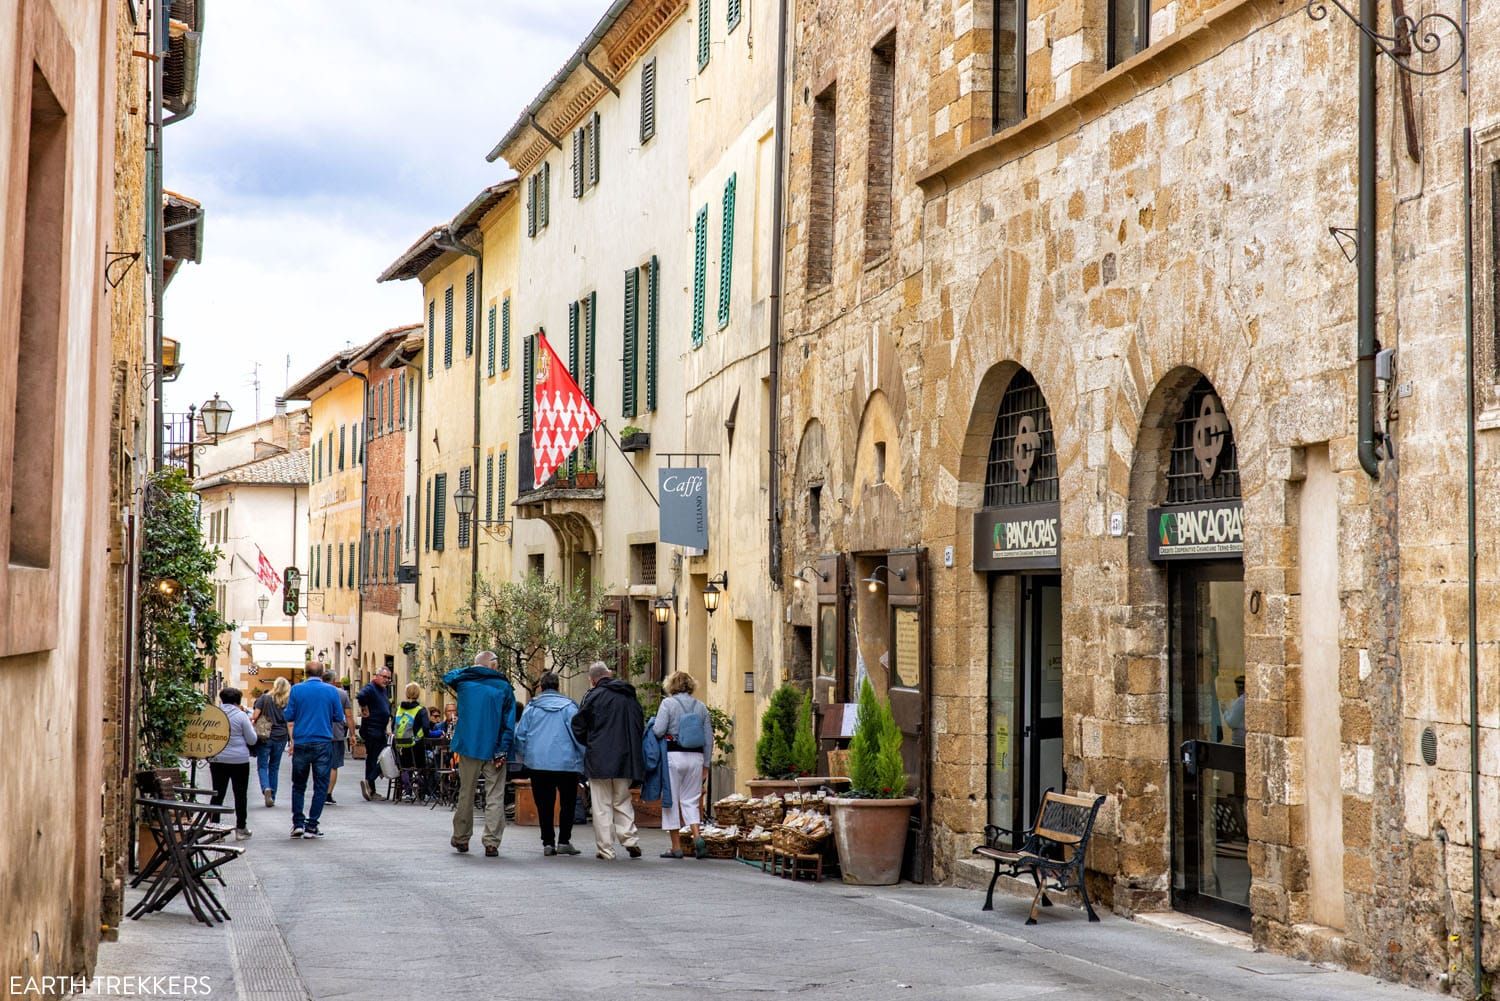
(255, 381)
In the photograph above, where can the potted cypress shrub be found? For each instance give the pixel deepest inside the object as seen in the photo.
(870, 823)
(774, 766)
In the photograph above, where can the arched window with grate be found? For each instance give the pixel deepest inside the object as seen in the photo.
(1022, 467)
(1204, 464)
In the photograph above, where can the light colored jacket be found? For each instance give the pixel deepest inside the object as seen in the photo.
(241, 737)
(669, 720)
(544, 738)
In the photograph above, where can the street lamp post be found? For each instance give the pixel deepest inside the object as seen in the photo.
(661, 610)
(263, 601)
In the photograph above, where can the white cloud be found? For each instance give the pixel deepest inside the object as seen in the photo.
(328, 136)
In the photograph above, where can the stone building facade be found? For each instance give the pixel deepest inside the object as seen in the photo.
(1112, 307)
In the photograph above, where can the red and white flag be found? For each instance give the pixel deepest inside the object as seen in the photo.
(267, 573)
(562, 415)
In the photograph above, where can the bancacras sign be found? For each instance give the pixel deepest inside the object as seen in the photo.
(1196, 531)
(1022, 537)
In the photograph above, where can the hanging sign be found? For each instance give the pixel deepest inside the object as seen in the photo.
(207, 733)
(683, 493)
(1207, 531)
(1020, 537)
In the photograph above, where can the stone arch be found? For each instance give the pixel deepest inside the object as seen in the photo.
(812, 468)
(876, 481)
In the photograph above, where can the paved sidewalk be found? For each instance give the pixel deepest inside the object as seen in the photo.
(384, 909)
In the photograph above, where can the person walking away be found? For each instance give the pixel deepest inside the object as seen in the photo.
(374, 720)
(231, 766)
(410, 726)
(270, 741)
(340, 742)
(684, 721)
(553, 756)
(481, 740)
(311, 710)
(610, 726)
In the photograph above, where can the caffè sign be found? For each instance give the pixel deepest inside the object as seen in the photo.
(1022, 537)
(1207, 531)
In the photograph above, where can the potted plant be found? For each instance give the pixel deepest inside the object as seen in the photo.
(775, 767)
(634, 439)
(870, 823)
(587, 476)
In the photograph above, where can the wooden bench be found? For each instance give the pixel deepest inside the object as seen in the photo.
(1052, 853)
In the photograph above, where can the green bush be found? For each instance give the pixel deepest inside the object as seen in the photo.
(804, 744)
(773, 751)
(876, 770)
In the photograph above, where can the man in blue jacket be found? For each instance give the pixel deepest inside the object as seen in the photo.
(311, 710)
(481, 739)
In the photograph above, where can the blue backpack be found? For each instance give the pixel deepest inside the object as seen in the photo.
(692, 727)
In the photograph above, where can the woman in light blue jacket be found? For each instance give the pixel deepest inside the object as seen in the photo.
(553, 759)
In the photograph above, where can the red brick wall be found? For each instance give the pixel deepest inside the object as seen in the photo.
(386, 455)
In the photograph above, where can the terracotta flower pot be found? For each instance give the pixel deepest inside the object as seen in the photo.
(871, 838)
(760, 787)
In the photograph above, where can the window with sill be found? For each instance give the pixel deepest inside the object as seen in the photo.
(823, 192)
(880, 149)
(33, 327)
(1008, 59)
(1128, 27)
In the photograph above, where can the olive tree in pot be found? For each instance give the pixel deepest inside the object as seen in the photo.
(870, 823)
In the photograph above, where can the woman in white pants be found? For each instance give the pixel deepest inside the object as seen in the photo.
(685, 723)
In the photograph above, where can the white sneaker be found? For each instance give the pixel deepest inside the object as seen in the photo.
(241, 833)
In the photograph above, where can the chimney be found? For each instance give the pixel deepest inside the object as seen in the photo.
(280, 429)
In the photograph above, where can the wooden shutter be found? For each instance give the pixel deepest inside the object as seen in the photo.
(628, 374)
(440, 511)
(648, 100)
(401, 417)
(704, 14)
(341, 564)
(343, 444)
(505, 335)
(726, 253)
(531, 205)
(465, 524)
(469, 315)
(653, 289)
(448, 328)
(570, 465)
(504, 469)
(594, 149)
(490, 344)
(528, 379)
(489, 488)
(734, 14)
(589, 343)
(427, 518)
(545, 196)
(700, 272)
(579, 142)
(431, 334)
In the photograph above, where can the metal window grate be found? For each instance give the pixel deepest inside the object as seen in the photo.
(1023, 416)
(643, 562)
(1186, 483)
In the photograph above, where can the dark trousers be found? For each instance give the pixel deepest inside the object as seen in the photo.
(547, 788)
(224, 777)
(374, 741)
(315, 756)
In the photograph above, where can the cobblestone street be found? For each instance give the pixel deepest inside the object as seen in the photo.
(383, 908)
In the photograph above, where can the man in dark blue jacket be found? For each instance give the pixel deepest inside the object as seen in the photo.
(481, 739)
(374, 721)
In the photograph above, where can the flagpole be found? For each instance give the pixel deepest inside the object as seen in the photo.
(626, 455)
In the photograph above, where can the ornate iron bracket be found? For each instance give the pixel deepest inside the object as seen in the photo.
(1411, 34)
(114, 257)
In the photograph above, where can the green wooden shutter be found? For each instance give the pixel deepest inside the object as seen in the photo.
(545, 196)
(489, 488)
(726, 253)
(704, 14)
(465, 524)
(401, 417)
(653, 290)
(648, 100)
(700, 272)
(427, 518)
(505, 335)
(528, 381)
(448, 328)
(469, 315)
(628, 373)
(734, 14)
(343, 443)
(589, 354)
(594, 149)
(570, 465)
(579, 142)
(490, 345)
(431, 335)
(531, 205)
(440, 512)
(504, 471)
(341, 564)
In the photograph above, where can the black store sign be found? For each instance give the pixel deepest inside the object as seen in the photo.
(1210, 531)
(1022, 537)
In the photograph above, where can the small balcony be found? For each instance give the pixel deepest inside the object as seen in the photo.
(571, 502)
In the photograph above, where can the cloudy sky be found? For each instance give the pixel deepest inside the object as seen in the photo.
(329, 135)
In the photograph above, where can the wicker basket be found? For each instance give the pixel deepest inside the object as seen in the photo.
(789, 839)
(754, 851)
(730, 813)
(720, 848)
(767, 815)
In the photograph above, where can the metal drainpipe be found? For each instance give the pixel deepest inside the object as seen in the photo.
(364, 510)
(1473, 566)
(158, 29)
(1369, 456)
(447, 240)
(773, 563)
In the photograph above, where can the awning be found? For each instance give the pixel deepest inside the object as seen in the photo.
(282, 655)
